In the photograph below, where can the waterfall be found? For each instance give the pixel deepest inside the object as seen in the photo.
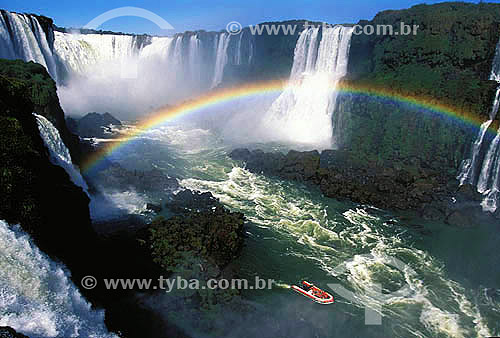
(183, 66)
(305, 53)
(469, 166)
(37, 297)
(78, 52)
(22, 37)
(220, 58)
(303, 112)
(238, 50)
(59, 153)
(195, 60)
(486, 169)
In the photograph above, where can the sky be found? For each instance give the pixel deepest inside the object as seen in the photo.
(210, 15)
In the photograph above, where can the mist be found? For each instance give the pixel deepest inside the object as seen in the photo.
(117, 74)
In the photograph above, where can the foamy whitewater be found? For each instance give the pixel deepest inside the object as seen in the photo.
(37, 297)
(293, 232)
(300, 234)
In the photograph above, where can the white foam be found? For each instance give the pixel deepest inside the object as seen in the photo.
(115, 204)
(36, 296)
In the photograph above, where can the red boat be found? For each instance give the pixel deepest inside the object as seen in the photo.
(314, 293)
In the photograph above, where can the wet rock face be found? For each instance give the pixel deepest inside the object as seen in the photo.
(433, 194)
(93, 125)
(121, 179)
(186, 201)
(8, 332)
(338, 177)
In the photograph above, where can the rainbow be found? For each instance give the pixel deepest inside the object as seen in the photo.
(215, 97)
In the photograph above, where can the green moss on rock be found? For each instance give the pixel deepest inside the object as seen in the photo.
(448, 62)
(214, 235)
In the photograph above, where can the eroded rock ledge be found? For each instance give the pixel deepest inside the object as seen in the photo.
(433, 193)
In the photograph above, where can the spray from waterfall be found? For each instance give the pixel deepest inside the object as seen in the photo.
(37, 297)
(126, 75)
(303, 113)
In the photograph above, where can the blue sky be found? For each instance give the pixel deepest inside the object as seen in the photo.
(206, 14)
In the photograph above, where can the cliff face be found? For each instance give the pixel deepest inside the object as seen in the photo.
(35, 193)
(40, 90)
(447, 62)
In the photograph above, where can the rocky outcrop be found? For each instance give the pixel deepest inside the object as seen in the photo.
(8, 332)
(432, 194)
(149, 181)
(200, 244)
(40, 91)
(391, 187)
(215, 235)
(186, 201)
(94, 125)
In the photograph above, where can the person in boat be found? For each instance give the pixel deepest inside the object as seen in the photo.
(306, 287)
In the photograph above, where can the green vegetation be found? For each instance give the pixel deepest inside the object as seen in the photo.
(35, 193)
(197, 247)
(213, 235)
(447, 62)
(32, 78)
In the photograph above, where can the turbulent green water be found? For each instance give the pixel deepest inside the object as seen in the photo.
(294, 233)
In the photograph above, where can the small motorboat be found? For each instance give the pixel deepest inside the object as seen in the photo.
(314, 293)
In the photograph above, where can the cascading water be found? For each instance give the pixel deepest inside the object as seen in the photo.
(484, 172)
(221, 58)
(303, 112)
(37, 297)
(195, 60)
(184, 65)
(22, 37)
(78, 52)
(59, 153)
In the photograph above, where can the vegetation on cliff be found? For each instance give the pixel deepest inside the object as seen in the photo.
(30, 81)
(448, 62)
(35, 193)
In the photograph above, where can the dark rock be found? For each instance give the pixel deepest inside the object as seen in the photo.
(94, 125)
(468, 192)
(187, 200)
(333, 158)
(432, 213)
(240, 154)
(300, 166)
(269, 163)
(339, 175)
(8, 332)
(118, 178)
(462, 218)
(154, 207)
